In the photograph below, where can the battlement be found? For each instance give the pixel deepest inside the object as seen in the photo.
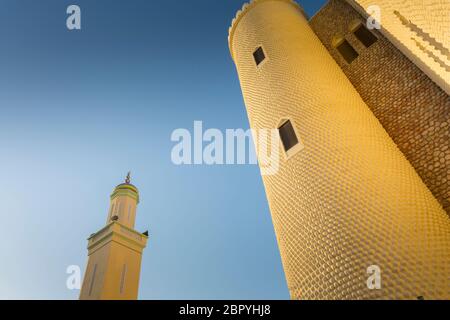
(119, 233)
(245, 9)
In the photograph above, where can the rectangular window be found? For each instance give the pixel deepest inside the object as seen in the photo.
(364, 35)
(288, 136)
(259, 56)
(347, 51)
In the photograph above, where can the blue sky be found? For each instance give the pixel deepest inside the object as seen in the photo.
(78, 109)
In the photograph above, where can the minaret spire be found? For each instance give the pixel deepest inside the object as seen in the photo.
(128, 178)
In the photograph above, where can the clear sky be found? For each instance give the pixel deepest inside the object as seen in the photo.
(78, 109)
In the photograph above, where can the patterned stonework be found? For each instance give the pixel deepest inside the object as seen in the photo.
(349, 199)
(412, 108)
(420, 29)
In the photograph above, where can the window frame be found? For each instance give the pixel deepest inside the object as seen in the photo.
(288, 154)
(359, 26)
(266, 57)
(339, 43)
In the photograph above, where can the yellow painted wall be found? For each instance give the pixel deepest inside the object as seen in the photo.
(125, 209)
(119, 257)
(349, 199)
(92, 287)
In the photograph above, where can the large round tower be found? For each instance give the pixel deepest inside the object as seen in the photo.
(348, 199)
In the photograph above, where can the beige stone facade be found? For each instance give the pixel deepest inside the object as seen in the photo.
(349, 199)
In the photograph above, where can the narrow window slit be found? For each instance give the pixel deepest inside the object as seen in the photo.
(288, 136)
(259, 56)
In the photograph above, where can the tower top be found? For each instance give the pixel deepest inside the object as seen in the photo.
(126, 188)
(245, 9)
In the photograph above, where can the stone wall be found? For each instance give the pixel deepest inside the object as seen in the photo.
(411, 107)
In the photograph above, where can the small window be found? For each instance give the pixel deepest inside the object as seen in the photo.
(364, 35)
(259, 56)
(347, 51)
(288, 136)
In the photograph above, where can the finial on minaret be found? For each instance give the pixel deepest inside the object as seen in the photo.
(128, 178)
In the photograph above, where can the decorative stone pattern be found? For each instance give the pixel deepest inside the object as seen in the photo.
(411, 107)
(420, 29)
(349, 199)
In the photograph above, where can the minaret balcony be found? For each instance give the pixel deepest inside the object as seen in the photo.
(117, 232)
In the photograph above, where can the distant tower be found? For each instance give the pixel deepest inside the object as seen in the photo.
(348, 199)
(115, 251)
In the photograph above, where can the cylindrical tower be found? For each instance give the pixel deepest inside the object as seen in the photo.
(124, 201)
(348, 199)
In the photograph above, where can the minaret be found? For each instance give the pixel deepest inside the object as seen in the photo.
(115, 251)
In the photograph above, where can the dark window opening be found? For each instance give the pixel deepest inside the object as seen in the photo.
(347, 51)
(259, 56)
(364, 35)
(288, 136)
